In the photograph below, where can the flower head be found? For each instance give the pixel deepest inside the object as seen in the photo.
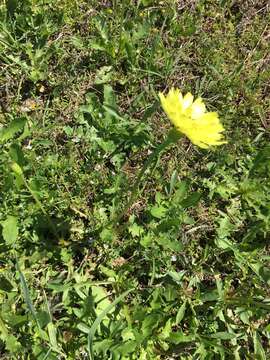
(191, 118)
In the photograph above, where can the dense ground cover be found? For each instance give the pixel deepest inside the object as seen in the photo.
(184, 273)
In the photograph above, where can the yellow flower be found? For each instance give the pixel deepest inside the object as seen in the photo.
(191, 118)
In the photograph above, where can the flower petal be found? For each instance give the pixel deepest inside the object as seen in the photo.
(197, 109)
(187, 101)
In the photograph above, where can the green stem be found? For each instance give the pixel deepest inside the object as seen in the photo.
(172, 137)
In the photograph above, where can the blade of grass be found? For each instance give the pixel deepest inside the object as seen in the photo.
(26, 295)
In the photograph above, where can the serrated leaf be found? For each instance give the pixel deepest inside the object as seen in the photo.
(146, 240)
(12, 344)
(158, 211)
(8, 132)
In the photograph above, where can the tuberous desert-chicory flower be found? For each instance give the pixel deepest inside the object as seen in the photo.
(191, 118)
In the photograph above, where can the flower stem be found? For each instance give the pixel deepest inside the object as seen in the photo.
(172, 137)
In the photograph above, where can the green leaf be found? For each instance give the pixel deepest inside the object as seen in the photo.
(43, 318)
(83, 328)
(173, 181)
(211, 295)
(10, 230)
(181, 313)
(146, 240)
(52, 336)
(223, 335)
(5, 285)
(180, 192)
(179, 337)
(135, 230)
(9, 131)
(16, 154)
(258, 348)
(12, 344)
(261, 161)
(150, 322)
(158, 211)
(191, 200)
(17, 169)
(174, 245)
(109, 96)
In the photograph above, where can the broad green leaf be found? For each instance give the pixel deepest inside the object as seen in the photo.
(166, 331)
(223, 335)
(146, 240)
(109, 96)
(8, 132)
(223, 243)
(135, 230)
(258, 347)
(16, 154)
(151, 322)
(158, 211)
(180, 192)
(12, 344)
(44, 318)
(100, 298)
(179, 337)
(180, 313)
(191, 200)
(211, 295)
(10, 230)
(174, 245)
(59, 287)
(83, 328)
